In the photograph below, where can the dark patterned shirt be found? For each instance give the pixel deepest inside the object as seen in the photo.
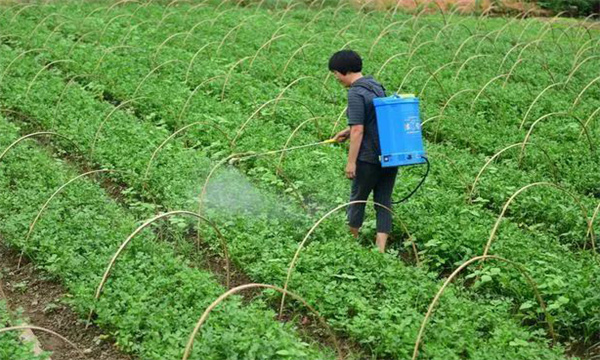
(361, 111)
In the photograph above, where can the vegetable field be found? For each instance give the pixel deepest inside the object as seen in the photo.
(131, 172)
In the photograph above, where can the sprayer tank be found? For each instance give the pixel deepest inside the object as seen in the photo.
(399, 128)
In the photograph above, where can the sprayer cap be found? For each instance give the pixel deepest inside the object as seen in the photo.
(396, 99)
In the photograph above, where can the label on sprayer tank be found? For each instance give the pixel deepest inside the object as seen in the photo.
(412, 125)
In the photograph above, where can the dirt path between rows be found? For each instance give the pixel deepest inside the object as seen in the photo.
(41, 301)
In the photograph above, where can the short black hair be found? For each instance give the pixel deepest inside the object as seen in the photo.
(345, 61)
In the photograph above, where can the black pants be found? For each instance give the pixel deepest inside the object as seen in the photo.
(372, 177)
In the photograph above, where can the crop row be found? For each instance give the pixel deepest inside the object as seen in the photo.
(571, 224)
(321, 188)
(154, 295)
(559, 159)
(259, 260)
(336, 275)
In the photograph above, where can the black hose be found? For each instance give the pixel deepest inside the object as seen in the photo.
(418, 186)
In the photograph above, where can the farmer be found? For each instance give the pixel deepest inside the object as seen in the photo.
(363, 167)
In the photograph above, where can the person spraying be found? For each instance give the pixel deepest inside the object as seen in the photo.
(384, 133)
(363, 166)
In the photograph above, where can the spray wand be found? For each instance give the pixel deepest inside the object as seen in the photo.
(234, 160)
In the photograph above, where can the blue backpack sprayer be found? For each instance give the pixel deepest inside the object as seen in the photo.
(399, 132)
(400, 138)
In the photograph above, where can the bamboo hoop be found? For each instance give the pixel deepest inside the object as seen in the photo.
(187, 73)
(157, 150)
(286, 11)
(48, 331)
(384, 32)
(211, 307)
(484, 87)
(534, 102)
(231, 31)
(100, 8)
(584, 128)
(187, 101)
(40, 23)
(142, 227)
(20, 11)
(519, 267)
(582, 91)
(243, 126)
(163, 18)
(150, 73)
(63, 92)
(337, 121)
(410, 56)
(119, 3)
(578, 66)
(588, 121)
(507, 54)
(99, 41)
(462, 45)
(108, 116)
(462, 66)
(155, 54)
(388, 60)
(590, 229)
(17, 58)
(191, 31)
(43, 69)
(131, 29)
(79, 39)
(292, 57)
(32, 135)
(10, 8)
(229, 75)
(512, 69)
(513, 196)
(262, 47)
(434, 76)
(496, 155)
(289, 139)
(52, 33)
(314, 227)
(408, 73)
(45, 206)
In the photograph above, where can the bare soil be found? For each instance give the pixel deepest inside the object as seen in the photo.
(40, 299)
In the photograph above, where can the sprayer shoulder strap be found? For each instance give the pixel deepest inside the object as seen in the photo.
(371, 88)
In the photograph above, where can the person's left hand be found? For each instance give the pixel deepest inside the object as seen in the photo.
(350, 170)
